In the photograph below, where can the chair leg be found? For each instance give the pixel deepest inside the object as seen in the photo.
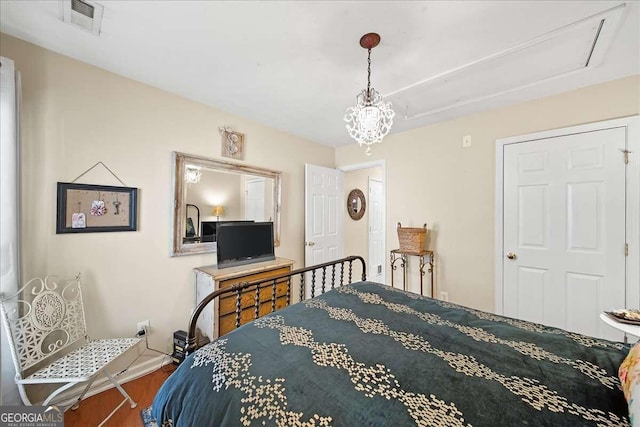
(112, 412)
(124, 393)
(23, 394)
(76, 405)
(120, 389)
(57, 392)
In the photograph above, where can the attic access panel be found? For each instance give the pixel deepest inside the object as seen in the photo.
(569, 49)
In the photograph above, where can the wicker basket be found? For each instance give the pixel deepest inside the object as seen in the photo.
(412, 239)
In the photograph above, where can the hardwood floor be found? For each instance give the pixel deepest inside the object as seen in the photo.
(94, 409)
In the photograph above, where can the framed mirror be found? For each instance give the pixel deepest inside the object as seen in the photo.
(208, 192)
(356, 204)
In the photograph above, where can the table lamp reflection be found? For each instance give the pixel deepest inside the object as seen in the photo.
(217, 211)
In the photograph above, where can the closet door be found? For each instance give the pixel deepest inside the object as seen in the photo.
(564, 230)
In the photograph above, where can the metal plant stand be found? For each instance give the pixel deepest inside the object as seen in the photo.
(426, 259)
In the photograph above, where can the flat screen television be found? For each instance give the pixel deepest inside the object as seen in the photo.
(208, 229)
(244, 243)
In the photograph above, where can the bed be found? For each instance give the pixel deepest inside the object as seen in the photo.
(365, 354)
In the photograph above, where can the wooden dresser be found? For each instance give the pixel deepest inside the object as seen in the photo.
(218, 318)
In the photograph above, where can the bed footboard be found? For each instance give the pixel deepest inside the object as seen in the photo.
(313, 280)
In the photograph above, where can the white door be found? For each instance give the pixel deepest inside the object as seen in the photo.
(254, 200)
(324, 216)
(564, 230)
(376, 231)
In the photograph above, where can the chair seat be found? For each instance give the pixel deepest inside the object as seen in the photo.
(83, 363)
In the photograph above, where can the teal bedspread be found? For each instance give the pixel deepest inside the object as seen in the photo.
(369, 355)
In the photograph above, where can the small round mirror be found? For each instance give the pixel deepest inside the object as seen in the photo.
(356, 204)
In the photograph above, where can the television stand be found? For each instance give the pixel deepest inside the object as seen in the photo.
(218, 318)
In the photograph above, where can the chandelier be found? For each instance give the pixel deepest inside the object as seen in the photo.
(371, 118)
(192, 174)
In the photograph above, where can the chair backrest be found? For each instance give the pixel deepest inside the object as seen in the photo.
(42, 319)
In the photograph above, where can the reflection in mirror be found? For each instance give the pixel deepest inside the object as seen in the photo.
(221, 193)
(225, 196)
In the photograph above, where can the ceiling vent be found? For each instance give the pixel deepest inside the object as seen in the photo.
(573, 48)
(83, 14)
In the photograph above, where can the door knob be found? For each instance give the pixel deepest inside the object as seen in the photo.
(511, 255)
(311, 243)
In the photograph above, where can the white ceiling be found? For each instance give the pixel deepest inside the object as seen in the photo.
(297, 65)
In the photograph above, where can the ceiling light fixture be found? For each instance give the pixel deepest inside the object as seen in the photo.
(371, 118)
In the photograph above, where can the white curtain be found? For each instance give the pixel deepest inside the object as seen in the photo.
(9, 208)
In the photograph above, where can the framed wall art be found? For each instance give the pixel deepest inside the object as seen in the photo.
(232, 143)
(86, 208)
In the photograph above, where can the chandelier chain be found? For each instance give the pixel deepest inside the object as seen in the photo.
(369, 77)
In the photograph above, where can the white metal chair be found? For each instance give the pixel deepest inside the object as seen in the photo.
(45, 320)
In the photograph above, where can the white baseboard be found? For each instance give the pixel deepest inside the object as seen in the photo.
(135, 371)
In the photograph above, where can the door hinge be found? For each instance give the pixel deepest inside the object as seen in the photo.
(626, 155)
(626, 249)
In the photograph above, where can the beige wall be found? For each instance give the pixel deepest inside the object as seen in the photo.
(74, 115)
(430, 178)
(356, 233)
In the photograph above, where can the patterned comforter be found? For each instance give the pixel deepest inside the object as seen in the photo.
(369, 355)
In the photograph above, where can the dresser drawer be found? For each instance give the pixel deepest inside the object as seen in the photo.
(228, 321)
(252, 277)
(248, 298)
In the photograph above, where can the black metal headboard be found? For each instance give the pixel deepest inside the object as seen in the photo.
(331, 275)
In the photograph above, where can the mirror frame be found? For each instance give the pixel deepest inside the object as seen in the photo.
(358, 195)
(180, 160)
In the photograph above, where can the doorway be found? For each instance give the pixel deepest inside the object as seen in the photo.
(367, 237)
(329, 232)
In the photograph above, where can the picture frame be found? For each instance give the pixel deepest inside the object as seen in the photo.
(88, 208)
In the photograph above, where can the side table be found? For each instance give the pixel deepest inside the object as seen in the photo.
(401, 256)
(624, 327)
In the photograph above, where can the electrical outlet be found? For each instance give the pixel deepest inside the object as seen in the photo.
(444, 296)
(466, 141)
(143, 325)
